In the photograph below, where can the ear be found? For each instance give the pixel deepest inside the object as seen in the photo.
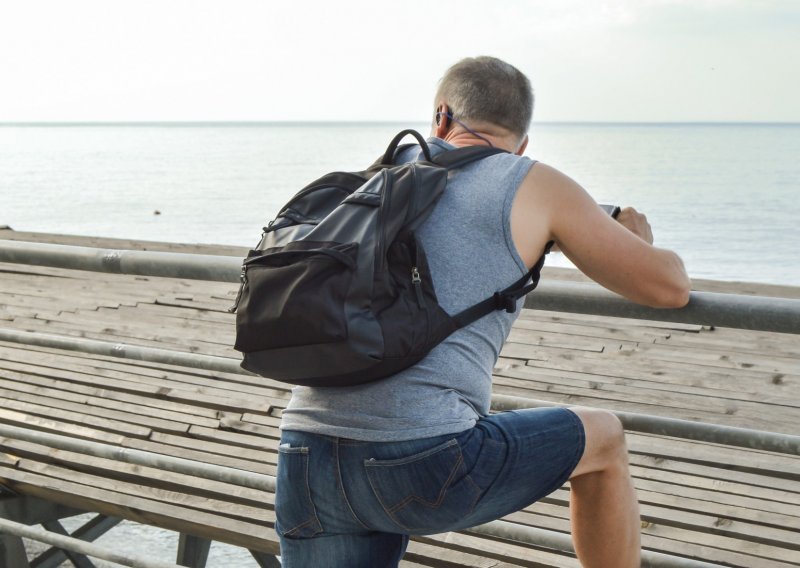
(521, 149)
(442, 123)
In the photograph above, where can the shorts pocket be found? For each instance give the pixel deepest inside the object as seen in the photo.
(424, 492)
(295, 514)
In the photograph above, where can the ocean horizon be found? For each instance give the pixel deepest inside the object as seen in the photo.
(721, 194)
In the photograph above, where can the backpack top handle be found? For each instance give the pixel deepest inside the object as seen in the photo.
(388, 157)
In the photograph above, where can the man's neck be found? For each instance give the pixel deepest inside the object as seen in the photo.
(459, 138)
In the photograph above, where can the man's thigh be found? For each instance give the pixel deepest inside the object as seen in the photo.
(543, 447)
(503, 464)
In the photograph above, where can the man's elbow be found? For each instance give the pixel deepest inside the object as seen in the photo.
(674, 294)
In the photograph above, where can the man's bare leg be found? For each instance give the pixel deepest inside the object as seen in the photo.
(605, 514)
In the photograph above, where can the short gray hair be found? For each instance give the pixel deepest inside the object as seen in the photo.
(488, 89)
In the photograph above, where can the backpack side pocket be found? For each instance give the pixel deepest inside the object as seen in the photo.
(295, 297)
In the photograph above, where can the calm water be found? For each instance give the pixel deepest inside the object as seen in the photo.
(726, 197)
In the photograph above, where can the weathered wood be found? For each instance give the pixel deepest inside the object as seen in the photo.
(142, 510)
(133, 474)
(89, 414)
(725, 505)
(203, 456)
(40, 423)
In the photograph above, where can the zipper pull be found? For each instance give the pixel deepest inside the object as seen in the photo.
(417, 282)
(243, 279)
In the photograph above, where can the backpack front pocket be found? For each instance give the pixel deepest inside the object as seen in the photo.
(295, 297)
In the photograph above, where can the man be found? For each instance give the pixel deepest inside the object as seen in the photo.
(361, 468)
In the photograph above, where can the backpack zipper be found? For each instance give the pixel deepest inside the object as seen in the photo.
(416, 280)
(243, 279)
(385, 201)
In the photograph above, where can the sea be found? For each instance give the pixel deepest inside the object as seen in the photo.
(725, 196)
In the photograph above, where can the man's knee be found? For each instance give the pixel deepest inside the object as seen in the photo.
(605, 440)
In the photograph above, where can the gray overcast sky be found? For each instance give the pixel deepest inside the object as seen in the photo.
(623, 60)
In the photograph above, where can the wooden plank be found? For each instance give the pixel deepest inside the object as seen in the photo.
(675, 372)
(115, 367)
(249, 463)
(680, 540)
(575, 343)
(35, 412)
(192, 503)
(673, 402)
(517, 554)
(606, 321)
(210, 397)
(8, 460)
(238, 425)
(47, 406)
(625, 379)
(134, 474)
(723, 490)
(266, 453)
(99, 396)
(726, 360)
(740, 459)
(145, 511)
(265, 441)
(609, 332)
(757, 484)
(263, 420)
(224, 385)
(58, 427)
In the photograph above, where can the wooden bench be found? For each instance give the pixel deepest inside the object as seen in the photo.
(724, 505)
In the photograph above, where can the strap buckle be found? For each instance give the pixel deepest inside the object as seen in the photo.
(504, 302)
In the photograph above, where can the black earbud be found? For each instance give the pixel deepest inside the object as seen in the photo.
(442, 112)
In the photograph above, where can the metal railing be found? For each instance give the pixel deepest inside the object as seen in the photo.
(80, 546)
(704, 308)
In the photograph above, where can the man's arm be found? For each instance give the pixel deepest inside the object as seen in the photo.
(618, 254)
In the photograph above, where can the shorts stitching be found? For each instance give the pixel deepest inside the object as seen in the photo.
(313, 518)
(340, 484)
(438, 503)
(301, 526)
(416, 457)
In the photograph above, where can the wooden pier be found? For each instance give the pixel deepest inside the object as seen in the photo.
(723, 505)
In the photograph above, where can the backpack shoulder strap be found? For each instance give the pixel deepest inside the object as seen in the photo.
(504, 299)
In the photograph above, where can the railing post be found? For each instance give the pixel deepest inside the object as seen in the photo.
(12, 552)
(265, 560)
(193, 551)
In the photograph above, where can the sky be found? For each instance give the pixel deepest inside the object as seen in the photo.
(356, 60)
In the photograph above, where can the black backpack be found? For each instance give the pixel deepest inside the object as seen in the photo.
(338, 290)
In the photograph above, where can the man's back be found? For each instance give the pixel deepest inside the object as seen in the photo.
(471, 255)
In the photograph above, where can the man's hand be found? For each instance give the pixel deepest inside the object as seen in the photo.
(636, 223)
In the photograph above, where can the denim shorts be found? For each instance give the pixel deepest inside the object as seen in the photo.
(347, 503)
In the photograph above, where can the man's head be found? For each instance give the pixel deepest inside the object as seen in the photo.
(487, 90)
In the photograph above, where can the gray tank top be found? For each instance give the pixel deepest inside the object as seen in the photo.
(471, 255)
